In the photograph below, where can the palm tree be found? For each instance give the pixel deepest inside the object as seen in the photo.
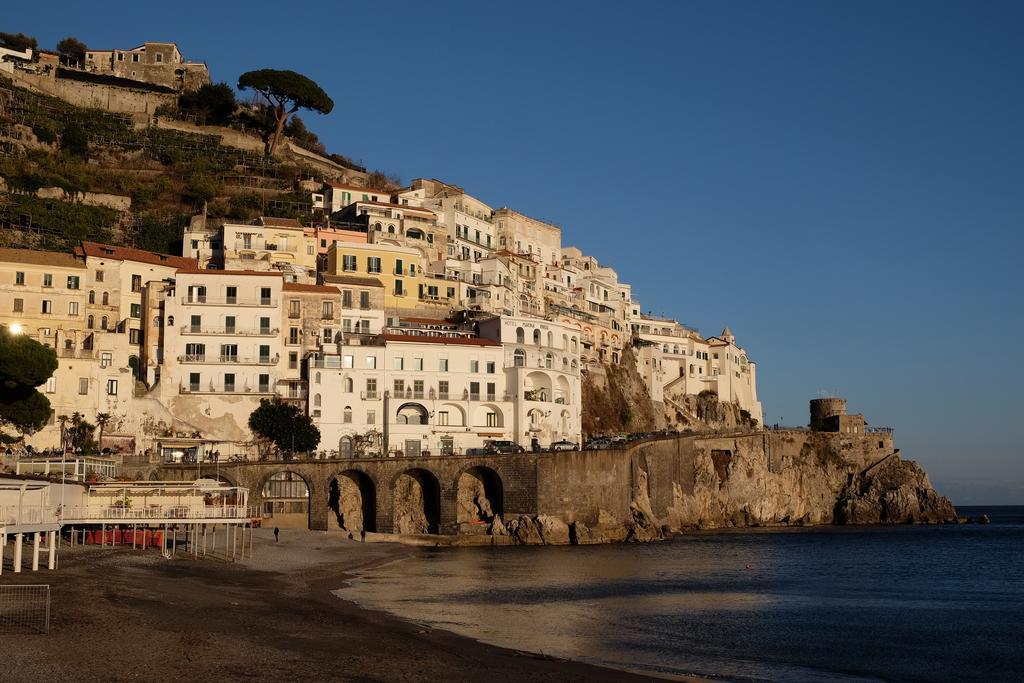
(102, 419)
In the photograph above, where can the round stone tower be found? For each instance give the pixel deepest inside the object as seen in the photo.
(824, 408)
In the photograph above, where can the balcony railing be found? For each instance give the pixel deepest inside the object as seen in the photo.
(369, 395)
(239, 331)
(87, 513)
(240, 360)
(222, 389)
(229, 301)
(26, 514)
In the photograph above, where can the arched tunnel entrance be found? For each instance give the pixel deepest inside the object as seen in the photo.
(417, 503)
(352, 498)
(480, 499)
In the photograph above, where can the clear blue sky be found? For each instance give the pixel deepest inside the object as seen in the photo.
(841, 183)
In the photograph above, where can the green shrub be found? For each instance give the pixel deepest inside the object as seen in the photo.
(74, 141)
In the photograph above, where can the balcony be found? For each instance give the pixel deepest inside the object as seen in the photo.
(369, 395)
(202, 300)
(233, 331)
(237, 360)
(237, 388)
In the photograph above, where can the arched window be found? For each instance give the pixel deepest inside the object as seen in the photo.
(348, 385)
(316, 379)
(103, 323)
(106, 298)
(170, 320)
(92, 296)
(551, 339)
(536, 337)
(520, 336)
(548, 361)
(574, 344)
(519, 358)
(675, 350)
(565, 363)
(156, 321)
(377, 227)
(346, 415)
(391, 230)
(565, 342)
(615, 357)
(316, 400)
(574, 365)
(90, 322)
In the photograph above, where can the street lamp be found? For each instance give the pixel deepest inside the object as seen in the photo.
(16, 328)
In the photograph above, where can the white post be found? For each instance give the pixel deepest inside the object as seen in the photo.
(18, 540)
(52, 559)
(3, 544)
(35, 551)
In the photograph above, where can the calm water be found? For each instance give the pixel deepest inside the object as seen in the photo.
(904, 603)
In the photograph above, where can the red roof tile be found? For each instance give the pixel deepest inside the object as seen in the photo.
(97, 250)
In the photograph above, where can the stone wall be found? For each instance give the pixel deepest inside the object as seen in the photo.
(110, 98)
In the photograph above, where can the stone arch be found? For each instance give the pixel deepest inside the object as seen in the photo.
(480, 418)
(285, 500)
(538, 386)
(562, 390)
(479, 498)
(456, 414)
(352, 497)
(416, 502)
(412, 414)
(414, 233)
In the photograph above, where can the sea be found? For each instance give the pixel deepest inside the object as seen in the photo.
(905, 603)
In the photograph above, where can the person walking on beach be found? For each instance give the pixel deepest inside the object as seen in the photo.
(277, 532)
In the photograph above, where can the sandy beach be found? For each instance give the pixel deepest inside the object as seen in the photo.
(124, 615)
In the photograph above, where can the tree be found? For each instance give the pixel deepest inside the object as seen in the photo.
(286, 92)
(24, 365)
(102, 419)
(72, 51)
(211, 103)
(284, 425)
(80, 434)
(19, 41)
(74, 141)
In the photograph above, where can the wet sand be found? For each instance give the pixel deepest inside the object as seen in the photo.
(124, 615)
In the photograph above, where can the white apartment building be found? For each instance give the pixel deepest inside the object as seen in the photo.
(411, 390)
(541, 359)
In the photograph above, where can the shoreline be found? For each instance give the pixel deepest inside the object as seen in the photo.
(119, 614)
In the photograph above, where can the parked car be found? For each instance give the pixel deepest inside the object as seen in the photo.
(504, 447)
(599, 444)
(564, 445)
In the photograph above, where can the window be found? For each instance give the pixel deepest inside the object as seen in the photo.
(373, 264)
(19, 278)
(47, 280)
(346, 298)
(398, 363)
(229, 381)
(136, 283)
(51, 385)
(348, 361)
(490, 367)
(293, 335)
(492, 419)
(106, 299)
(111, 387)
(135, 57)
(327, 310)
(265, 294)
(90, 322)
(73, 281)
(348, 262)
(398, 266)
(519, 358)
(92, 297)
(72, 308)
(328, 335)
(103, 323)
(99, 276)
(346, 415)
(364, 300)
(443, 365)
(548, 361)
(491, 391)
(536, 337)
(264, 381)
(474, 366)
(229, 324)
(417, 388)
(136, 310)
(134, 336)
(346, 325)
(83, 386)
(399, 387)
(229, 353)
(293, 360)
(474, 391)
(520, 336)
(398, 288)
(309, 249)
(231, 295)
(47, 306)
(371, 388)
(294, 308)
(371, 417)
(417, 364)
(442, 418)
(19, 305)
(442, 389)
(371, 362)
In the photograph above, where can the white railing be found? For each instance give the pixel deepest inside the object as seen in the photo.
(101, 514)
(11, 515)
